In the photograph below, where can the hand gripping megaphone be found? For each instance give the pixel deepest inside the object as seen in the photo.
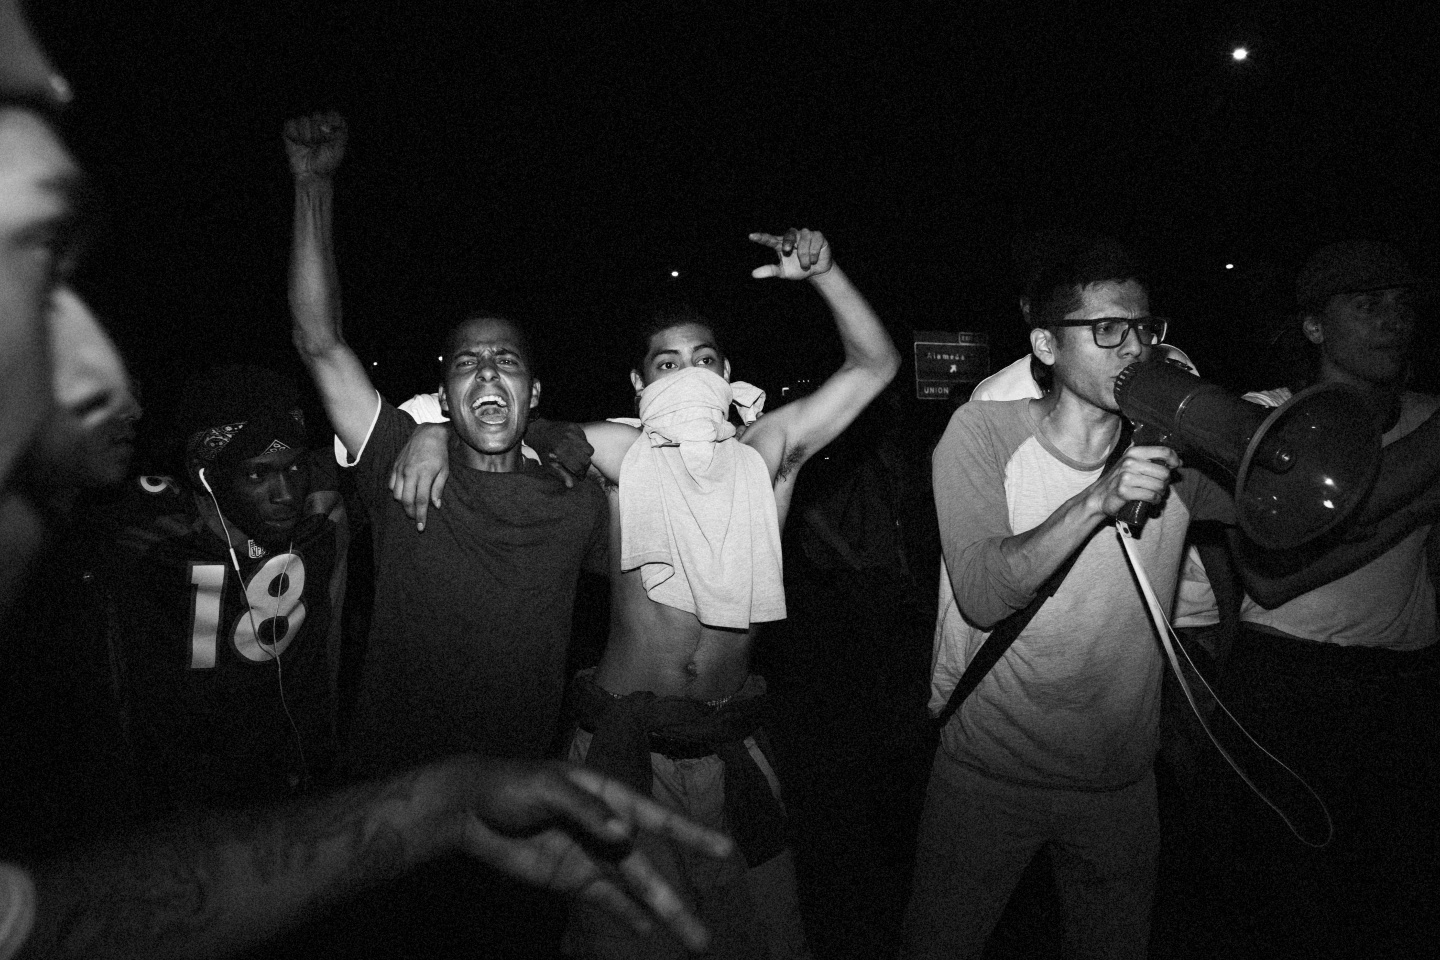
(1300, 470)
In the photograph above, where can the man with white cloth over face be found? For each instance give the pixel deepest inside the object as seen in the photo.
(696, 512)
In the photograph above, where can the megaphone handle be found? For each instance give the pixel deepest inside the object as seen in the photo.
(1136, 512)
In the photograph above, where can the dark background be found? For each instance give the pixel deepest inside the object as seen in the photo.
(558, 160)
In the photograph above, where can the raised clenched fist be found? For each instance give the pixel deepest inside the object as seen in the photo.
(315, 144)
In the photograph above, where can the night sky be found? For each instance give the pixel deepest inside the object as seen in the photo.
(558, 160)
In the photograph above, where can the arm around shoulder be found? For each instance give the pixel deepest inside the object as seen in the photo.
(1409, 469)
(611, 441)
(1274, 578)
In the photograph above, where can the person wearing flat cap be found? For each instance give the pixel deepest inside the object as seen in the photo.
(1356, 304)
(1339, 680)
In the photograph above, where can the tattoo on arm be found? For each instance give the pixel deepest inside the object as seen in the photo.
(225, 880)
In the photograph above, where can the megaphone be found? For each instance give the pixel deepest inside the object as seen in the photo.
(1300, 470)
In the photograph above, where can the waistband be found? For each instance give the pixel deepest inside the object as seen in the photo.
(627, 728)
(677, 727)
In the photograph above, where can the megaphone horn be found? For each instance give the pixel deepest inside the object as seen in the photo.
(1300, 470)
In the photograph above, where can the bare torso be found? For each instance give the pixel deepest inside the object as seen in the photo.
(668, 651)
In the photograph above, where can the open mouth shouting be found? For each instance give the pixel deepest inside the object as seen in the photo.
(490, 408)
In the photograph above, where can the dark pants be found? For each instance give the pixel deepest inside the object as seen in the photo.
(978, 834)
(1362, 728)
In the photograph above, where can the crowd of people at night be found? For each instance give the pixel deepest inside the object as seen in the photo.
(470, 682)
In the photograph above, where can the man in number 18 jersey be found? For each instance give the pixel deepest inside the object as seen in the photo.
(227, 589)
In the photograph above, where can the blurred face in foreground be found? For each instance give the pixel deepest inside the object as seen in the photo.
(37, 184)
(90, 439)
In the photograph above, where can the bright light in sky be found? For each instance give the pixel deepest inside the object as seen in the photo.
(674, 273)
(1239, 53)
(1229, 266)
(374, 363)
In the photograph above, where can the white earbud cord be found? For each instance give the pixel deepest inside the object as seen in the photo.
(270, 647)
(1168, 640)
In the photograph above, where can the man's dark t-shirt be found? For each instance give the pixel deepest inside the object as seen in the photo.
(472, 616)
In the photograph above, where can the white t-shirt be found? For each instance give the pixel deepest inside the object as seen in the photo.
(1074, 701)
(1388, 603)
(1195, 602)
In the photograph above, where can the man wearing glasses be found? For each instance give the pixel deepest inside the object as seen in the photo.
(1055, 746)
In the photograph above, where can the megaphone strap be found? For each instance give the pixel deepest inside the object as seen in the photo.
(1007, 630)
(1170, 643)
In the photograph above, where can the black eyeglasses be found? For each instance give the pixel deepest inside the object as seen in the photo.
(1110, 332)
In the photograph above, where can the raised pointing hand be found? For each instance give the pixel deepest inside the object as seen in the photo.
(802, 253)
